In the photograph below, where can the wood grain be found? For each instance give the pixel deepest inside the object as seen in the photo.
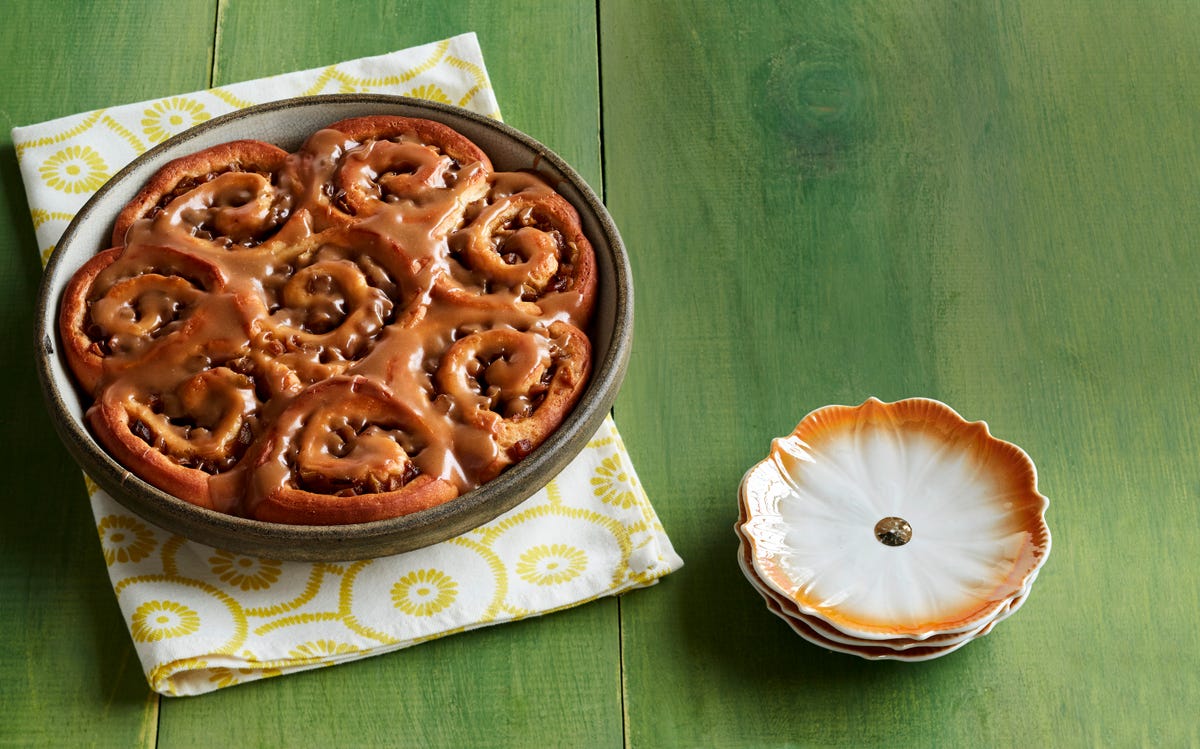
(554, 681)
(991, 205)
(541, 57)
(70, 676)
(545, 682)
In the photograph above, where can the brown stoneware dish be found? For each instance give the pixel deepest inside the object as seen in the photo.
(290, 125)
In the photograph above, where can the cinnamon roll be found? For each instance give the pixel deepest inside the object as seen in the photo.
(516, 385)
(413, 169)
(120, 304)
(526, 250)
(344, 451)
(226, 195)
(325, 301)
(180, 429)
(365, 328)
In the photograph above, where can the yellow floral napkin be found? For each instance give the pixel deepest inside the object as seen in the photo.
(202, 618)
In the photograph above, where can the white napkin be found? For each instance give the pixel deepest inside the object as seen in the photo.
(202, 618)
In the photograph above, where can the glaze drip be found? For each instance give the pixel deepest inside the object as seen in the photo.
(366, 327)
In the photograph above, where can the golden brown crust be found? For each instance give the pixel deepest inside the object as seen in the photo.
(344, 451)
(516, 385)
(297, 507)
(398, 323)
(247, 157)
(84, 355)
(523, 249)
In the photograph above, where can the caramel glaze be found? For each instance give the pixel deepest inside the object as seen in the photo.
(377, 326)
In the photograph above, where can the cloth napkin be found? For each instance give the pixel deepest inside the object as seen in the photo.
(203, 618)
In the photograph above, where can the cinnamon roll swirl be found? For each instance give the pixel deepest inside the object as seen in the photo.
(365, 328)
(526, 250)
(120, 304)
(413, 169)
(344, 451)
(325, 301)
(182, 429)
(516, 385)
(227, 195)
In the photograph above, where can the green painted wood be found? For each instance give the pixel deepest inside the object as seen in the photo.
(989, 204)
(541, 57)
(545, 682)
(553, 681)
(68, 672)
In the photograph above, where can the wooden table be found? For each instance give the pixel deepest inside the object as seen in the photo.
(989, 204)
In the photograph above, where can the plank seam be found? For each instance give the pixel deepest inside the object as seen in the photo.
(603, 198)
(600, 108)
(157, 718)
(216, 45)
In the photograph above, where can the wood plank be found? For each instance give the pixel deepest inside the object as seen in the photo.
(553, 681)
(991, 205)
(68, 672)
(540, 57)
(545, 682)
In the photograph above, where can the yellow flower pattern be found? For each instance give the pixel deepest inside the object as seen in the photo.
(75, 169)
(321, 649)
(124, 539)
(430, 93)
(247, 573)
(163, 620)
(171, 116)
(424, 592)
(612, 484)
(222, 676)
(551, 564)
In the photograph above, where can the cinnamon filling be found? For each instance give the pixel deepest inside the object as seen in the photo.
(209, 224)
(372, 358)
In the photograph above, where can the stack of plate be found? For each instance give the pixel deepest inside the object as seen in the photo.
(892, 530)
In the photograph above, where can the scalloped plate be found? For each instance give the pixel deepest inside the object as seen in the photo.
(825, 635)
(895, 520)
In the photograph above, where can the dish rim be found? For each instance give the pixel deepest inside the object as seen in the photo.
(762, 550)
(359, 540)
